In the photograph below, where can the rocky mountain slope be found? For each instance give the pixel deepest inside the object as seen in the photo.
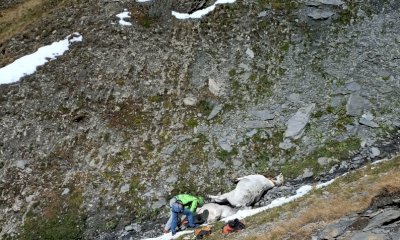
(103, 136)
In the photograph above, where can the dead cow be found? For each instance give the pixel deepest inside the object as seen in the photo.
(216, 211)
(248, 191)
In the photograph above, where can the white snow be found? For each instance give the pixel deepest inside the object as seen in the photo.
(27, 65)
(141, 1)
(124, 15)
(202, 12)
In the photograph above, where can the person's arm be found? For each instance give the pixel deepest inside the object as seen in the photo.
(193, 206)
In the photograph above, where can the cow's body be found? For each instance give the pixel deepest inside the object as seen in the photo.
(248, 191)
(216, 211)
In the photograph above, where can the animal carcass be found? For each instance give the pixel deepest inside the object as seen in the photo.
(216, 211)
(248, 191)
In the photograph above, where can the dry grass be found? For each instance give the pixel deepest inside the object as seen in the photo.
(16, 19)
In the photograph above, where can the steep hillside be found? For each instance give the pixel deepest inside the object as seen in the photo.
(103, 136)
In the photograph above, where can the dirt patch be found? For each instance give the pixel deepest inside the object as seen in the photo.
(388, 196)
(17, 18)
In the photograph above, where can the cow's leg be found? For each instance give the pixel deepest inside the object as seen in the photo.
(221, 198)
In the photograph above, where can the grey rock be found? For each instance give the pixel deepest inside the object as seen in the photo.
(368, 123)
(214, 112)
(158, 204)
(297, 123)
(133, 227)
(355, 105)
(250, 53)
(217, 164)
(375, 152)
(294, 98)
(319, 14)
(225, 145)
(368, 116)
(331, 2)
(169, 149)
(286, 144)
(262, 114)
(190, 101)
(124, 188)
(251, 133)
(353, 87)
(336, 229)
(65, 192)
(382, 218)
(262, 14)
(368, 236)
(215, 87)
(307, 173)
(325, 160)
(171, 179)
(257, 124)
(21, 164)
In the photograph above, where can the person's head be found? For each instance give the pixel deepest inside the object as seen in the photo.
(201, 200)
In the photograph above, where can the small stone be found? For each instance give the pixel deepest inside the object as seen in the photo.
(262, 14)
(125, 188)
(319, 14)
(21, 164)
(169, 149)
(262, 114)
(297, 123)
(286, 144)
(353, 87)
(190, 101)
(368, 123)
(375, 152)
(225, 146)
(251, 133)
(368, 115)
(214, 87)
(214, 112)
(257, 124)
(133, 227)
(65, 192)
(250, 53)
(325, 161)
(355, 105)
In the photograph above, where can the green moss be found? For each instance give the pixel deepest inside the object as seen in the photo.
(285, 46)
(232, 72)
(317, 114)
(67, 221)
(333, 149)
(278, 5)
(192, 123)
(225, 155)
(205, 107)
(264, 86)
(253, 77)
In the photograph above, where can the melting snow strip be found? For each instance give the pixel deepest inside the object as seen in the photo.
(124, 15)
(202, 12)
(28, 64)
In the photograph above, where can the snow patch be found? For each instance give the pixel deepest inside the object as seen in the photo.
(28, 64)
(202, 12)
(122, 16)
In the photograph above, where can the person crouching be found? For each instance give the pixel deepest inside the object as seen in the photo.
(182, 204)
